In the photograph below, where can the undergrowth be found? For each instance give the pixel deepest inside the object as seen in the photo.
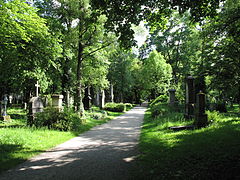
(207, 153)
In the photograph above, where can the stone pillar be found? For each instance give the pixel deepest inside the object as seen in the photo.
(102, 99)
(190, 98)
(201, 119)
(57, 101)
(172, 98)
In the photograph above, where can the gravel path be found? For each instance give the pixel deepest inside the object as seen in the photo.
(105, 152)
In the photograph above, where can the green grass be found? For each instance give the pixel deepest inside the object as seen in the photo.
(19, 142)
(207, 153)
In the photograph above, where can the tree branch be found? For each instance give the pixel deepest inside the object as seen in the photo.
(98, 49)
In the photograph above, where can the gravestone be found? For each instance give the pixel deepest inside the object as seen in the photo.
(172, 98)
(102, 99)
(87, 99)
(57, 101)
(201, 119)
(190, 98)
(35, 106)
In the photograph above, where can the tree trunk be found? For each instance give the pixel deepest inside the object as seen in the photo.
(79, 97)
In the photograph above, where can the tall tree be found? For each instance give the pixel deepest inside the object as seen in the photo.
(156, 74)
(221, 53)
(27, 49)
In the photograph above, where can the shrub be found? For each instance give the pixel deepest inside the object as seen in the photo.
(53, 119)
(159, 109)
(115, 107)
(128, 105)
(98, 115)
(160, 99)
(213, 116)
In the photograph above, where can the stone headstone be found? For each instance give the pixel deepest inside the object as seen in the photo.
(190, 98)
(172, 97)
(35, 106)
(57, 101)
(201, 119)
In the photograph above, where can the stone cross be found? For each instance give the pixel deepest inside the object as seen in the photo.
(37, 86)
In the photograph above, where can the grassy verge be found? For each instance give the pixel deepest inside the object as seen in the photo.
(207, 153)
(19, 142)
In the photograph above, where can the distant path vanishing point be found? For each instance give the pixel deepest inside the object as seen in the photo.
(106, 152)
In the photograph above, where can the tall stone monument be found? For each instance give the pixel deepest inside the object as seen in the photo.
(190, 98)
(172, 97)
(201, 119)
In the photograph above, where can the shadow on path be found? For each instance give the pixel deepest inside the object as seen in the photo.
(105, 152)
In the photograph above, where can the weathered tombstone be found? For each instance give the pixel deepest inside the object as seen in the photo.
(35, 106)
(172, 98)
(87, 99)
(201, 119)
(190, 98)
(102, 99)
(57, 101)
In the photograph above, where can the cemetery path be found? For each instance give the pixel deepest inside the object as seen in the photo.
(105, 152)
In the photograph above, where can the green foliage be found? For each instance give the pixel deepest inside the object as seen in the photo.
(115, 107)
(53, 119)
(159, 99)
(221, 51)
(121, 14)
(27, 46)
(128, 105)
(213, 116)
(156, 73)
(98, 115)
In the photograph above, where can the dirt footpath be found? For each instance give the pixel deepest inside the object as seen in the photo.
(105, 152)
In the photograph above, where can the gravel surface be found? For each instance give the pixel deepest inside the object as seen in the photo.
(105, 152)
